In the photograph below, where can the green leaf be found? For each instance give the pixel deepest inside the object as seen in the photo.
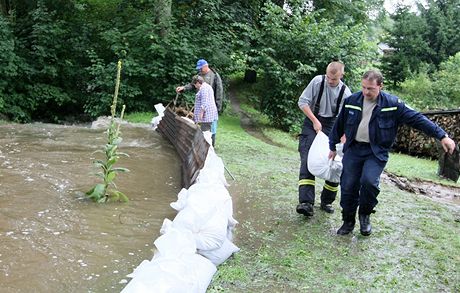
(110, 176)
(117, 141)
(120, 196)
(97, 192)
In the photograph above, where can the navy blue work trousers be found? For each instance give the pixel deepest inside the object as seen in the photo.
(360, 179)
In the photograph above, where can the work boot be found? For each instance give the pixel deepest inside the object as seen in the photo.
(365, 225)
(327, 208)
(348, 224)
(305, 208)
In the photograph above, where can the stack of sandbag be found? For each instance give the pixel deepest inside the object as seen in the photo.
(175, 267)
(196, 241)
(319, 163)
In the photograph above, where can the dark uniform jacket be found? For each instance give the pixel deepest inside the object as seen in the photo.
(388, 114)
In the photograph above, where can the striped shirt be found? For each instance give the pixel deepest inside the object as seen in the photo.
(204, 104)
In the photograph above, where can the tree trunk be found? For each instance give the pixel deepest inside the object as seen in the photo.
(5, 7)
(163, 15)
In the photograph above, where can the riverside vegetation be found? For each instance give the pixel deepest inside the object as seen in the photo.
(103, 192)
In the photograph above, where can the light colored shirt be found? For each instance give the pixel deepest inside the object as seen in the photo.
(204, 104)
(362, 134)
(328, 103)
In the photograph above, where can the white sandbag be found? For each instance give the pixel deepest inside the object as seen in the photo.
(208, 137)
(209, 228)
(230, 227)
(319, 163)
(214, 233)
(185, 273)
(181, 200)
(175, 242)
(219, 255)
(213, 170)
(206, 196)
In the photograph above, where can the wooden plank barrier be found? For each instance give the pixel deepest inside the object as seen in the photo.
(189, 142)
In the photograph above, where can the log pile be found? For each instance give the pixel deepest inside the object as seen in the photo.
(413, 142)
(189, 142)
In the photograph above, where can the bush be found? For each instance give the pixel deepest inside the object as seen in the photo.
(441, 90)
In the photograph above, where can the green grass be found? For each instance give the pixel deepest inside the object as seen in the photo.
(140, 117)
(415, 168)
(414, 247)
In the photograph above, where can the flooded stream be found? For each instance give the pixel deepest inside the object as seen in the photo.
(52, 238)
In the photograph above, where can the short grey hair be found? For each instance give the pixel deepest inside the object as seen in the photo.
(374, 74)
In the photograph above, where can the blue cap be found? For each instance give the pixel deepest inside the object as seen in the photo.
(200, 64)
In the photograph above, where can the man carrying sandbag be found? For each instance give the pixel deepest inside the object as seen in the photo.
(320, 102)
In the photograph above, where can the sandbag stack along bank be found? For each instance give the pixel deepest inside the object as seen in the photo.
(199, 238)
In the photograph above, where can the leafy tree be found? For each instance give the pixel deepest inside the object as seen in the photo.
(296, 47)
(8, 60)
(429, 36)
(439, 90)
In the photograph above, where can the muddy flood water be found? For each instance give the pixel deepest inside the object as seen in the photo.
(54, 240)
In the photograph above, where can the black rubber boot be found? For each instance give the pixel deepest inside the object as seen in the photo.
(305, 208)
(327, 208)
(348, 224)
(365, 224)
(328, 195)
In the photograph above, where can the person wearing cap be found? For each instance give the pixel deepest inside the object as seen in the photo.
(212, 78)
(205, 110)
(370, 119)
(320, 102)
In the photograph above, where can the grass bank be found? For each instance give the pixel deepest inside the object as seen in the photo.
(414, 247)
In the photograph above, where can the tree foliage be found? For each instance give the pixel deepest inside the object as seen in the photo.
(428, 36)
(438, 90)
(58, 56)
(293, 48)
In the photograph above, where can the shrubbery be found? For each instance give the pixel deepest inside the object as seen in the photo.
(440, 90)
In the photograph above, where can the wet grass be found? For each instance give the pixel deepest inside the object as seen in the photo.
(414, 247)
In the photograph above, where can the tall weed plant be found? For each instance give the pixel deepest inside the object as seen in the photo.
(103, 192)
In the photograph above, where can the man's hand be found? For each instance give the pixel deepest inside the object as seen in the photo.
(180, 89)
(332, 155)
(448, 145)
(317, 126)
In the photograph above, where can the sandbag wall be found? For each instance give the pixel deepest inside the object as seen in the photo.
(199, 238)
(413, 142)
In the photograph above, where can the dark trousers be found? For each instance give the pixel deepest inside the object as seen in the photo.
(205, 126)
(360, 179)
(306, 179)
